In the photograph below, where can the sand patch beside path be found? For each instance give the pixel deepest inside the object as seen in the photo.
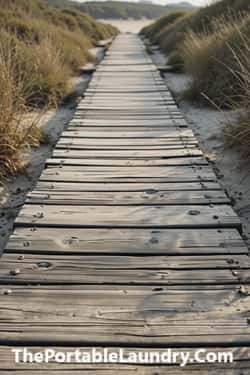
(208, 125)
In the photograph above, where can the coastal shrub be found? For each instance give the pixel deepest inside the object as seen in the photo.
(155, 30)
(171, 36)
(211, 60)
(41, 47)
(14, 135)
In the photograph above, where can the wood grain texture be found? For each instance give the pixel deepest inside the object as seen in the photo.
(241, 362)
(198, 216)
(124, 136)
(140, 370)
(123, 144)
(135, 162)
(128, 174)
(128, 154)
(151, 187)
(126, 241)
(148, 197)
(124, 270)
(113, 315)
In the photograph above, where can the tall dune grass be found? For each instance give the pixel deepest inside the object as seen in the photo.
(14, 135)
(214, 61)
(212, 45)
(238, 135)
(219, 64)
(171, 35)
(40, 49)
(51, 74)
(53, 42)
(156, 30)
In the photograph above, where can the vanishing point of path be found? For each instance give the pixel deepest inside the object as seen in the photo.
(127, 240)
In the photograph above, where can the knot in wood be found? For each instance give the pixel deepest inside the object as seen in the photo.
(194, 212)
(15, 272)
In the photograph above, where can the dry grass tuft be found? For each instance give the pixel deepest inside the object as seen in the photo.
(41, 47)
(155, 30)
(215, 62)
(219, 64)
(51, 74)
(14, 136)
(170, 35)
(238, 135)
(212, 45)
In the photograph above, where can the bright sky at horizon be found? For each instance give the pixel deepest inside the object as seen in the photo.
(165, 2)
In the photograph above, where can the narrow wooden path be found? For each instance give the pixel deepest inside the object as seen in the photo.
(127, 240)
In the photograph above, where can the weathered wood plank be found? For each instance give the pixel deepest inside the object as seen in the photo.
(131, 124)
(142, 154)
(149, 197)
(122, 143)
(112, 315)
(236, 368)
(82, 147)
(137, 90)
(124, 270)
(140, 370)
(127, 174)
(133, 99)
(130, 80)
(128, 136)
(135, 162)
(240, 355)
(126, 241)
(221, 216)
(127, 127)
(149, 97)
(125, 99)
(125, 114)
(142, 108)
(127, 187)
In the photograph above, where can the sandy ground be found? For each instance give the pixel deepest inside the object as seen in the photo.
(208, 125)
(53, 122)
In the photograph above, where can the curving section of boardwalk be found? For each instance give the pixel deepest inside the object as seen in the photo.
(127, 240)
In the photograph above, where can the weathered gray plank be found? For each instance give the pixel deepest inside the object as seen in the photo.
(136, 162)
(127, 187)
(112, 315)
(127, 174)
(221, 216)
(137, 90)
(121, 135)
(125, 99)
(142, 108)
(128, 125)
(82, 147)
(127, 144)
(126, 241)
(124, 116)
(130, 116)
(141, 370)
(142, 154)
(240, 354)
(149, 197)
(124, 270)
(137, 128)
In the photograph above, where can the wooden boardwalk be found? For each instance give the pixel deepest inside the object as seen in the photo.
(127, 240)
